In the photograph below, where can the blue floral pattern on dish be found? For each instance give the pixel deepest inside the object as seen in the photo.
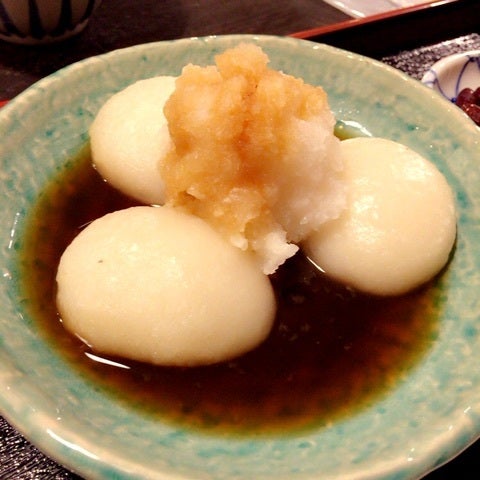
(450, 75)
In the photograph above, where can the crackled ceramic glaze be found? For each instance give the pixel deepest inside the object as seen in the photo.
(450, 75)
(430, 416)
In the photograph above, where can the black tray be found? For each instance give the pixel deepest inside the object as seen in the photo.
(388, 34)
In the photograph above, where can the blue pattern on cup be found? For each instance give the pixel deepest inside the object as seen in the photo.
(451, 75)
(69, 22)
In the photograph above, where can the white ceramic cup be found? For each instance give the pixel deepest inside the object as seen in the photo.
(451, 74)
(32, 22)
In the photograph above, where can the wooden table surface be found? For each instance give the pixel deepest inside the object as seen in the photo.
(122, 23)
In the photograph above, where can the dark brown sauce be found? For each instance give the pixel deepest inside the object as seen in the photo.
(332, 351)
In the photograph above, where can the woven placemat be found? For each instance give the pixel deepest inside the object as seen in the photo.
(416, 62)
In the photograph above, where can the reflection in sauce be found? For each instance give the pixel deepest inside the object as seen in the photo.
(332, 350)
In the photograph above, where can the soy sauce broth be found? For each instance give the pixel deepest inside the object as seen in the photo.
(331, 353)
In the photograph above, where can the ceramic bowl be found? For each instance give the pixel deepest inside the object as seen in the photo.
(424, 419)
(450, 75)
(33, 22)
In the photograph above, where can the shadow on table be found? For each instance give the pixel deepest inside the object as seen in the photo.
(114, 25)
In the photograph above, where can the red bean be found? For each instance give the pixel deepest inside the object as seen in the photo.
(469, 101)
(476, 95)
(465, 96)
(473, 111)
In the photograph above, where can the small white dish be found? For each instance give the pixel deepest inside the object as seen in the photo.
(452, 74)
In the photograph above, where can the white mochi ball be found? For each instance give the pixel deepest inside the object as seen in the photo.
(161, 286)
(400, 223)
(129, 138)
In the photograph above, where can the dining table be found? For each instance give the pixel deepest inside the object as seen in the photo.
(409, 39)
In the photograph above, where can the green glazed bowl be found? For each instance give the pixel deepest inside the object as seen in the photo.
(431, 415)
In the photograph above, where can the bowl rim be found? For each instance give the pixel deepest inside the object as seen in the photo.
(51, 444)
